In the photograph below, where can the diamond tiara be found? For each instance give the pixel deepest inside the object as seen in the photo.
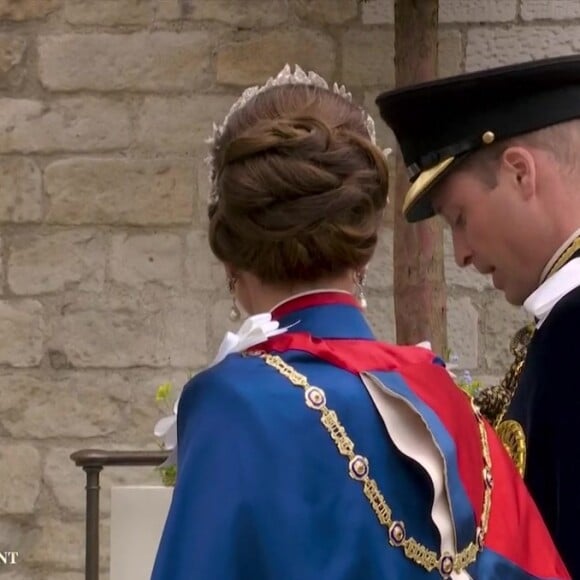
(284, 77)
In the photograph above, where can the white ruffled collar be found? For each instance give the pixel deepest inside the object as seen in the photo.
(254, 330)
(541, 302)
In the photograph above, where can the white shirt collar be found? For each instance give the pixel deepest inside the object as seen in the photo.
(540, 303)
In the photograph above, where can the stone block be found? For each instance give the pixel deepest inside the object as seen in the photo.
(202, 269)
(331, 12)
(20, 478)
(500, 324)
(156, 61)
(22, 332)
(381, 316)
(240, 13)
(484, 11)
(119, 191)
(18, 10)
(19, 572)
(359, 69)
(12, 531)
(550, 9)
(55, 542)
(12, 50)
(368, 57)
(450, 53)
(139, 259)
(53, 262)
(20, 190)
(463, 331)
(179, 124)
(121, 12)
(63, 403)
(67, 124)
(380, 271)
(378, 12)
(237, 63)
(488, 47)
(93, 332)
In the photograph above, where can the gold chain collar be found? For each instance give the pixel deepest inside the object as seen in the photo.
(358, 469)
(566, 255)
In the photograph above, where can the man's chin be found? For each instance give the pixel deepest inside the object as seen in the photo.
(513, 298)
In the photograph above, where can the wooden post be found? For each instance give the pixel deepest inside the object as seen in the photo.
(419, 276)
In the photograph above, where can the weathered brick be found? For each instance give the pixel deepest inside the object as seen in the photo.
(237, 63)
(110, 62)
(143, 411)
(22, 331)
(138, 259)
(70, 124)
(381, 316)
(53, 262)
(20, 478)
(203, 271)
(115, 12)
(12, 49)
(88, 404)
(119, 191)
(67, 481)
(463, 331)
(64, 576)
(550, 9)
(380, 271)
(378, 12)
(20, 190)
(61, 543)
(501, 323)
(11, 533)
(179, 124)
(27, 9)
(94, 332)
(240, 13)
(477, 10)
(488, 47)
(327, 11)
(19, 572)
(450, 53)
(358, 68)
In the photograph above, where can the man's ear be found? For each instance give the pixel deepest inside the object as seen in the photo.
(519, 166)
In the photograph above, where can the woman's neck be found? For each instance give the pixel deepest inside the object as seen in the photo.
(258, 297)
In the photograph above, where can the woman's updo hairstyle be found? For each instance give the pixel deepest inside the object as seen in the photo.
(300, 188)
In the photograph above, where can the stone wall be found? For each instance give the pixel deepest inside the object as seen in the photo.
(107, 285)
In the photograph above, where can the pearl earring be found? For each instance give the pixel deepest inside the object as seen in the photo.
(359, 279)
(234, 314)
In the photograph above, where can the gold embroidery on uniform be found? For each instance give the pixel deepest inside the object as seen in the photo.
(512, 436)
(358, 468)
(495, 401)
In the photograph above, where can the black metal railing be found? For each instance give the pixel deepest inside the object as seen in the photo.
(92, 461)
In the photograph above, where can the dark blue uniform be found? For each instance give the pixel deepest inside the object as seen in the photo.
(547, 406)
